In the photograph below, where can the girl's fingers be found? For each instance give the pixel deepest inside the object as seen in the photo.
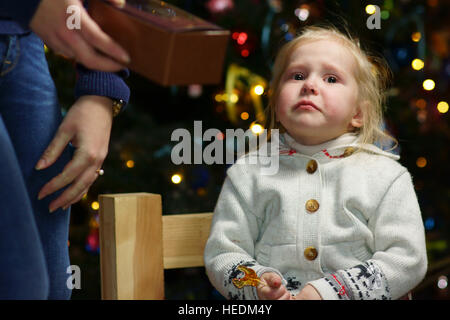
(273, 280)
(286, 296)
(276, 294)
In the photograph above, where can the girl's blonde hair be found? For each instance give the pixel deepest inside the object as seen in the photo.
(372, 74)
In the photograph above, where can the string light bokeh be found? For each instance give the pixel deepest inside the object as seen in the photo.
(414, 40)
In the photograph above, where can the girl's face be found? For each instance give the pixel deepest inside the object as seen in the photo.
(318, 93)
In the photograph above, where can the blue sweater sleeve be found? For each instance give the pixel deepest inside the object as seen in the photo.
(20, 11)
(89, 82)
(99, 83)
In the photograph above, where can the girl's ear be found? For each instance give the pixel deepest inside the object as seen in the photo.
(358, 118)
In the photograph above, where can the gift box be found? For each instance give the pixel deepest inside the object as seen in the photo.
(166, 44)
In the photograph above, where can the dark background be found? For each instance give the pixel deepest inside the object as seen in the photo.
(142, 133)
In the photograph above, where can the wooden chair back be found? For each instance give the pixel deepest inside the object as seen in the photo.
(137, 242)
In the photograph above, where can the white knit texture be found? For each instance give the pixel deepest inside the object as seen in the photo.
(368, 212)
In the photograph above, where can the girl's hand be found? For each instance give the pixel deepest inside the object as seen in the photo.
(87, 126)
(273, 290)
(308, 293)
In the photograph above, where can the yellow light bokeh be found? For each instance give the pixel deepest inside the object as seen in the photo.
(417, 64)
(256, 128)
(95, 205)
(258, 90)
(416, 36)
(421, 162)
(176, 178)
(223, 97)
(429, 84)
(370, 9)
(130, 164)
(442, 107)
(244, 116)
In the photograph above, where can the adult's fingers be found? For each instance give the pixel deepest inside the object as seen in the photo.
(58, 45)
(75, 192)
(80, 196)
(80, 163)
(88, 56)
(98, 39)
(54, 149)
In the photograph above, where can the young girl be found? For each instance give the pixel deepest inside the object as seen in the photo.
(340, 218)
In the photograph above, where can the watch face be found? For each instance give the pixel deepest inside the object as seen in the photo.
(117, 106)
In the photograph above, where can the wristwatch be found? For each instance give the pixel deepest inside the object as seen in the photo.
(117, 106)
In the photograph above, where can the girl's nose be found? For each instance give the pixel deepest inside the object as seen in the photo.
(309, 87)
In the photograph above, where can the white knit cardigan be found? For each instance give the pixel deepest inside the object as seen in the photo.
(367, 233)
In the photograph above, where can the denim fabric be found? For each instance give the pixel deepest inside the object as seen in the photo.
(32, 239)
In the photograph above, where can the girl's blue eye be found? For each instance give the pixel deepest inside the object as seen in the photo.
(331, 79)
(298, 76)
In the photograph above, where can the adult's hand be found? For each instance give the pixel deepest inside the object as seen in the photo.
(89, 45)
(87, 126)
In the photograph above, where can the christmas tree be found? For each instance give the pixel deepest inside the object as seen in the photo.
(413, 37)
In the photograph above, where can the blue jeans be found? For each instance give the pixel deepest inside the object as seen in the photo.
(33, 242)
